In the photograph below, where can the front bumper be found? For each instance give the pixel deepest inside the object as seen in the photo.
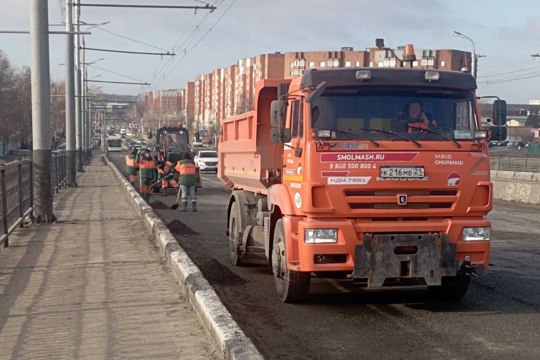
(427, 256)
(362, 245)
(206, 167)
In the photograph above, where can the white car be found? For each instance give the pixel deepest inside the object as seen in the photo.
(206, 160)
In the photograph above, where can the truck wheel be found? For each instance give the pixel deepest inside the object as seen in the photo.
(452, 287)
(291, 286)
(235, 235)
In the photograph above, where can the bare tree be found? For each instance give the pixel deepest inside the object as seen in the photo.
(58, 109)
(8, 122)
(23, 101)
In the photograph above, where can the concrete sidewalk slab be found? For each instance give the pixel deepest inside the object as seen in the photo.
(231, 340)
(93, 285)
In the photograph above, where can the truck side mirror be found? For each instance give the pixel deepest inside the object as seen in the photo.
(499, 112)
(277, 113)
(280, 135)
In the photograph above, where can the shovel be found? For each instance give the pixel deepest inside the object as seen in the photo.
(176, 205)
(159, 180)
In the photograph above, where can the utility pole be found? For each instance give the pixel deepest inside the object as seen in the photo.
(103, 130)
(41, 125)
(71, 150)
(78, 110)
(84, 118)
(88, 117)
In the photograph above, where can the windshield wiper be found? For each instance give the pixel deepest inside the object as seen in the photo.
(458, 145)
(394, 134)
(398, 135)
(378, 131)
(355, 136)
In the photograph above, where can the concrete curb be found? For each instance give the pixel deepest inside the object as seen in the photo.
(521, 187)
(231, 341)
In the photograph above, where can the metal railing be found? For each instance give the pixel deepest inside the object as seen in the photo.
(16, 191)
(15, 196)
(515, 162)
(58, 170)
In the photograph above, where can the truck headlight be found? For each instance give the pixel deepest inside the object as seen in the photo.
(476, 234)
(320, 236)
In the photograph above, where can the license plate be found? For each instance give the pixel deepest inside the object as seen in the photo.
(393, 172)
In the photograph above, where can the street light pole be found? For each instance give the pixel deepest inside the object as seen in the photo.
(474, 64)
(78, 90)
(41, 125)
(71, 150)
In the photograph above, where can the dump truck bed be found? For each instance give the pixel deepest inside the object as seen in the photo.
(247, 158)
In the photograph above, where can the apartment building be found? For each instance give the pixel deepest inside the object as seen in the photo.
(229, 94)
(189, 105)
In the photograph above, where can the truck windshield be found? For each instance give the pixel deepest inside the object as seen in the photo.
(173, 139)
(419, 113)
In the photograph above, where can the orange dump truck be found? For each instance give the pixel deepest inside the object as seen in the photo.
(380, 175)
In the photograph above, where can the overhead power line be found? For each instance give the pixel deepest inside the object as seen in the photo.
(198, 42)
(130, 39)
(163, 69)
(118, 82)
(115, 73)
(510, 72)
(207, 7)
(528, 76)
(128, 52)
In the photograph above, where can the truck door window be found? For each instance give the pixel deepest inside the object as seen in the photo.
(297, 122)
(464, 117)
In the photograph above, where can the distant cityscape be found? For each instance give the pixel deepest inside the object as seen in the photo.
(225, 92)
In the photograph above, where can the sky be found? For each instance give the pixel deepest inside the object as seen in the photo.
(505, 35)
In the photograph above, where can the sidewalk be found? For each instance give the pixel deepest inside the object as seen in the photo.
(93, 285)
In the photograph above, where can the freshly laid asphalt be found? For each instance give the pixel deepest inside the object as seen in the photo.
(107, 281)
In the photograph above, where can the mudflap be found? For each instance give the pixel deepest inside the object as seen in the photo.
(384, 256)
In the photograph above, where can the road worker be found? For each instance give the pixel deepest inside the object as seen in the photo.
(165, 171)
(147, 172)
(132, 166)
(187, 180)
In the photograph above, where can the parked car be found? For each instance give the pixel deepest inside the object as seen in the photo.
(206, 160)
(197, 143)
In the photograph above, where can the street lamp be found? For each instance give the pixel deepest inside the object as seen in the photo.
(474, 59)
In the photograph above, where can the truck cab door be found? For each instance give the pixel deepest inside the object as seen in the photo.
(293, 150)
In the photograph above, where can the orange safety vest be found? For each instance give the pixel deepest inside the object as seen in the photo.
(147, 164)
(186, 169)
(131, 162)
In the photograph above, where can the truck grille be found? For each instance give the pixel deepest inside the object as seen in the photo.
(387, 199)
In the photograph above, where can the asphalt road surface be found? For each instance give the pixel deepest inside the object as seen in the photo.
(497, 319)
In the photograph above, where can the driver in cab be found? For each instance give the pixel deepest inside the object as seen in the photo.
(417, 120)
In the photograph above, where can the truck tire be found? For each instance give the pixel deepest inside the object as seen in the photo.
(291, 286)
(235, 235)
(452, 287)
